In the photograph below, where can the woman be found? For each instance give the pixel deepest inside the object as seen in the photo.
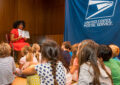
(17, 41)
(90, 69)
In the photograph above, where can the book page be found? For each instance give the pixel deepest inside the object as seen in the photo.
(20, 32)
(24, 34)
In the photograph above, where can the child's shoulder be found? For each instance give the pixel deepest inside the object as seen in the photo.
(10, 58)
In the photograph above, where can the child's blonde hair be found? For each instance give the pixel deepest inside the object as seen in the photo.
(5, 49)
(26, 49)
(115, 50)
(35, 47)
(29, 57)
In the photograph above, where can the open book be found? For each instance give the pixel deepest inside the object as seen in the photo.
(24, 34)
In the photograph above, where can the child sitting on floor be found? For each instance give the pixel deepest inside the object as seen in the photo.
(27, 50)
(66, 51)
(105, 53)
(7, 65)
(74, 63)
(36, 52)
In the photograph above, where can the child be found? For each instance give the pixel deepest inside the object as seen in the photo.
(90, 70)
(105, 53)
(66, 51)
(7, 65)
(74, 63)
(51, 71)
(115, 51)
(25, 51)
(36, 52)
(29, 60)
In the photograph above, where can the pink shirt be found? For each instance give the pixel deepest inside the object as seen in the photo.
(23, 60)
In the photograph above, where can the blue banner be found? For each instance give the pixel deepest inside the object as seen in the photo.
(98, 20)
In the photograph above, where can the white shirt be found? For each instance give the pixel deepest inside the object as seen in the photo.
(7, 67)
(86, 75)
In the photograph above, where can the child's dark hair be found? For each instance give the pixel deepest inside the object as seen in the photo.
(88, 53)
(67, 45)
(51, 52)
(104, 52)
(17, 23)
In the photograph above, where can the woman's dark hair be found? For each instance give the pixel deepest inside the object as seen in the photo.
(17, 23)
(51, 52)
(87, 52)
(104, 52)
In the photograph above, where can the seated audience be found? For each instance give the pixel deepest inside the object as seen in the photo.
(51, 71)
(7, 65)
(105, 53)
(115, 51)
(36, 52)
(90, 69)
(66, 49)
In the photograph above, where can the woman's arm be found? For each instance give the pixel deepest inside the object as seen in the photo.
(29, 71)
(14, 39)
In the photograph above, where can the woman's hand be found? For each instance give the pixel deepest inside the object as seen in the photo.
(25, 39)
(20, 37)
(14, 39)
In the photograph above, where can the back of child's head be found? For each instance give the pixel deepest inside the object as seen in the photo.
(29, 57)
(5, 49)
(66, 45)
(51, 52)
(35, 48)
(104, 52)
(25, 50)
(75, 48)
(87, 52)
(115, 50)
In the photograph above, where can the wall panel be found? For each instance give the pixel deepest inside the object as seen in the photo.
(42, 17)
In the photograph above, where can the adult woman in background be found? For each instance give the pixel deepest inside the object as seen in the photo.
(18, 41)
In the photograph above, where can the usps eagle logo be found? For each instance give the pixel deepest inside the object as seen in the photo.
(100, 9)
